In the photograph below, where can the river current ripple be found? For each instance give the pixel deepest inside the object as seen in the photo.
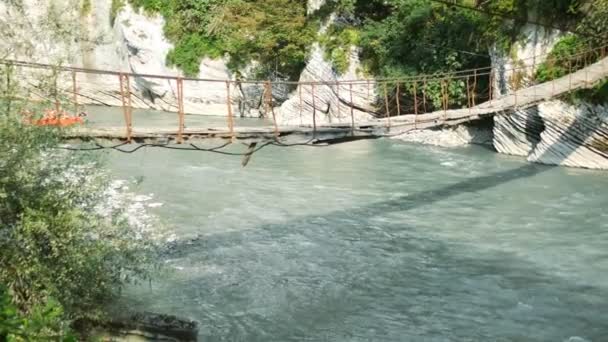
(377, 241)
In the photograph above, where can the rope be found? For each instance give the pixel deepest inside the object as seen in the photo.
(434, 76)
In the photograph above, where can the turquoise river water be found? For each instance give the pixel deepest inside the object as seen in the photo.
(377, 241)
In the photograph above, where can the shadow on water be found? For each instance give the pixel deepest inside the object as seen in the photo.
(424, 288)
(471, 185)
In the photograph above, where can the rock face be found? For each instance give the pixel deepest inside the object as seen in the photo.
(146, 326)
(479, 133)
(331, 103)
(553, 132)
(62, 32)
(518, 132)
(575, 136)
(556, 133)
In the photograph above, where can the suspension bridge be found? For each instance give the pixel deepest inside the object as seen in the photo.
(584, 70)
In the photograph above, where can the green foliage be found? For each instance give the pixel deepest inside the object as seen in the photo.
(115, 7)
(337, 42)
(273, 33)
(592, 25)
(188, 51)
(422, 37)
(597, 95)
(398, 38)
(59, 240)
(559, 61)
(86, 8)
(44, 322)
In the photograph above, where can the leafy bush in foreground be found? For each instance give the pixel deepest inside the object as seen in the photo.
(57, 243)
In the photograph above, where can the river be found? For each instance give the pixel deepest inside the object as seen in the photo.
(377, 241)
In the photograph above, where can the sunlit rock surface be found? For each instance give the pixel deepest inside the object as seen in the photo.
(330, 103)
(60, 33)
(450, 137)
(575, 136)
(554, 132)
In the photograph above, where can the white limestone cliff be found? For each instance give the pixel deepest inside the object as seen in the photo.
(60, 33)
(329, 103)
(553, 132)
(333, 102)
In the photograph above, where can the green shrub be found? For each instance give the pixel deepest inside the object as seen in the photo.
(274, 33)
(115, 7)
(42, 323)
(86, 8)
(55, 241)
(337, 43)
(559, 61)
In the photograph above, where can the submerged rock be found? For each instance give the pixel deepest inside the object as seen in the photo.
(451, 137)
(148, 327)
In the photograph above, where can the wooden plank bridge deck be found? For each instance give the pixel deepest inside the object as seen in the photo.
(585, 78)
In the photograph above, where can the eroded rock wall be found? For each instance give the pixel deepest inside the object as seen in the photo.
(60, 32)
(332, 102)
(553, 132)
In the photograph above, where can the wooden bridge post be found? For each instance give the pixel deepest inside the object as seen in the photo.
(75, 91)
(444, 93)
(469, 93)
(491, 86)
(230, 116)
(570, 75)
(388, 114)
(352, 110)
(338, 101)
(398, 99)
(474, 94)
(301, 101)
(56, 89)
(7, 91)
(314, 112)
(125, 96)
(180, 110)
(424, 85)
(415, 99)
(587, 63)
(270, 104)
(416, 103)
(515, 88)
